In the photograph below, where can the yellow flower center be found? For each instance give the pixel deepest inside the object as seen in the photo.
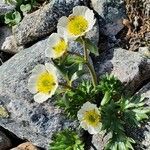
(60, 48)
(92, 117)
(46, 82)
(77, 25)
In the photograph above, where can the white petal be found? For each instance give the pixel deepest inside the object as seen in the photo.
(62, 22)
(89, 16)
(84, 125)
(51, 68)
(92, 130)
(40, 97)
(53, 39)
(79, 10)
(32, 84)
(49, 52)
(38, 69)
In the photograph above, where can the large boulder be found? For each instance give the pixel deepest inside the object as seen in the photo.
(131, 68)
(28, 119)
(43, 21)
(111, 14)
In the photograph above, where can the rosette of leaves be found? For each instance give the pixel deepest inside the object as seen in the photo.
(110, 87)
(66, 140)
(117, 114)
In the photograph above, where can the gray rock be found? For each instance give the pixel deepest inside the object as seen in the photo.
(111, 14)
(5, 8)
(28, 120)
(145, 51)
(5, 142)
(130, 67)
(43, 21)
(99, 141)
(7, 41)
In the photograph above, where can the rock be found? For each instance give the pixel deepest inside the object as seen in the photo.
(43, 21)
(111, 15)
(7, 41)
(5, 142)
(130, 67)
(28, 119)
(145, 51)
(25, 146)
(99, 141)
(5, 8)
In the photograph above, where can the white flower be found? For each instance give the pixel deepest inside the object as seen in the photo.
(90, 118)
(43, 82)
(56, 46)
(77, 24)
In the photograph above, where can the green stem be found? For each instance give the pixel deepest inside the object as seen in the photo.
(93, 73)
(86, 58)
(89, 65)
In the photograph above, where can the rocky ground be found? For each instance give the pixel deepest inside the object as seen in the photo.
(22, 121)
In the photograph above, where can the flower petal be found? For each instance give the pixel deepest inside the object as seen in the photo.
(32, 84)
(51, 68)
(79, 10)
(40, 97)
(62, 22)
(38, 69)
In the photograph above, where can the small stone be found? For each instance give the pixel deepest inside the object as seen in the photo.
(131, 68)
(99, 141)
(7, 41)
(5, 142)
(25, 146)
(145, 51)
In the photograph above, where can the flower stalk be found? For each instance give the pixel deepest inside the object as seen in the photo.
(88, 64)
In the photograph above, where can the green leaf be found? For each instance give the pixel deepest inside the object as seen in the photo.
(91, 47)
(75, 59)
(77, 75)
(25, 8)
(106, 98)
(66, 140)
(12, 18)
